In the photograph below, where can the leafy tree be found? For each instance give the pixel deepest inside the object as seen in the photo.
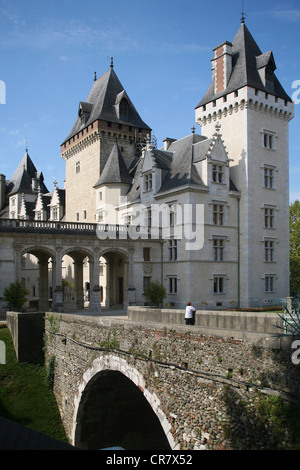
(15, 295)
(295, 247)
(155, 293)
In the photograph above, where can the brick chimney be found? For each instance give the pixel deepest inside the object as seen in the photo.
(222, 66)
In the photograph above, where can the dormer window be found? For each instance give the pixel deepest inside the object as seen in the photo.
(148, 182)
(217, 173)
(124, 109)
(122, 106)
(84, 112)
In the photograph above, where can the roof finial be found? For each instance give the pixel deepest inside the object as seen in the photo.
(243, 13)
(95, 76)
(26, 148)
(112, 62)
(193, 129)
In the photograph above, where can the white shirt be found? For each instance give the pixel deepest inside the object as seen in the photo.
(189, 311)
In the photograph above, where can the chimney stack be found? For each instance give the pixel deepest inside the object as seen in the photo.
(2, 191)
(222, 65)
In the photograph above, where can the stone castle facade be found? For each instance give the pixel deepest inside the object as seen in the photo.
(219, 202)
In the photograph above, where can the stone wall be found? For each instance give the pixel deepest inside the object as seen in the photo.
(205, 389)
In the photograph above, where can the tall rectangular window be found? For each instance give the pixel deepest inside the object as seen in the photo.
(219, 285)
(218, 214)
(146, 254)
(269, 217)
(146, 281)
(77, 167)
(173, 285)
(148, 182)
(269, 178)
(218, 249)
(269, 283)
(217, 173)
(173, 246)
(269, 250)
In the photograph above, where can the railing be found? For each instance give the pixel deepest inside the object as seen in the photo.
(45, 226)
(102, 231)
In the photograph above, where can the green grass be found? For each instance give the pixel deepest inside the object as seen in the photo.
(25, 396)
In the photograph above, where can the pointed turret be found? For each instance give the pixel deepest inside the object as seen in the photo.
(108, 102)
(115, 170)
(242, 64)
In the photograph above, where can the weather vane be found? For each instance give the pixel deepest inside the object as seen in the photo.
(243, 13)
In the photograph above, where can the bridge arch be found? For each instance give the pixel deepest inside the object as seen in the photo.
(113, 407)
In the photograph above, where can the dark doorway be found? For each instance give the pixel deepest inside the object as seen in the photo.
(114, 412)
(120, 290)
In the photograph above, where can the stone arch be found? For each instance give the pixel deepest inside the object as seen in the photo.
(78, 264)
(36, 274)
(114, 364)
(114, 282)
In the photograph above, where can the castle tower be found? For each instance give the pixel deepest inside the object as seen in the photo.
(247, 100)
(106, 115)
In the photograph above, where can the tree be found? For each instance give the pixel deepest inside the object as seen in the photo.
(155, 293)
(15, 295)
(295, 247)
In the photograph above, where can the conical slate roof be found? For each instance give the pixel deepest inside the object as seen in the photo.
(101, 103)
(21, 181)
(115, 170)
(247, 58)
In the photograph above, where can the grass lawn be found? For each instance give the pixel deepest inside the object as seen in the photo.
(25, 396)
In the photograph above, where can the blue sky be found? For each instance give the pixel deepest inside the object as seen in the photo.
(49, 51)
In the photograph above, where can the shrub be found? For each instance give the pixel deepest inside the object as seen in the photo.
(15, 295)
(155, 293)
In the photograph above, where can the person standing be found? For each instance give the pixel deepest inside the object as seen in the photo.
(189, 314)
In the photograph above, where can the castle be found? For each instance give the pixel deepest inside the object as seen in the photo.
(233, 178)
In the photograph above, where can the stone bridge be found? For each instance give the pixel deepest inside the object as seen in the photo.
(150, 382)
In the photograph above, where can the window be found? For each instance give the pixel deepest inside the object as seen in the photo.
(148, 182)
(148, 218)
(218, 214)
(219, 285)
(77, 167)
(13, 201)
(269, 283)
(269, 178)
(77, 216)
(269, 140)
(100, 196)
(54, 213)
(101, 215)
(172, 215)
(217, 173)
(172, 284)
(124, 108)
(269, 215)
(146, 254)
(173, 245)
(146, 282)
(84, 214)
(269, 250)
(218, 249)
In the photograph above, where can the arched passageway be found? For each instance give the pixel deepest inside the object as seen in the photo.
(114, 412)
(35, 274)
